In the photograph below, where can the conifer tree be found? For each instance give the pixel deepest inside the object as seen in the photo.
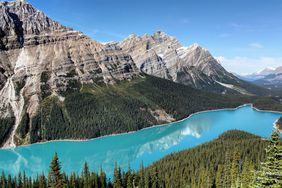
(86, 176)
(148, 180)
(247, 175)
(55, 177)
(270, 173)
(64, 180)
(20, 183)
(94, 180)
(25, 181)
(102, 179)
(235, 169)
(227, 170)
(141, 183)
(129, 178)
(117, 177)
(29, 182)
(9, 182)
(155, 178)
(124, 179)
(42, 181)
(3, 180)
(218, 178)
(73, 182)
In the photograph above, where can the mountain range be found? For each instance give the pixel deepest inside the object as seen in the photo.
(270, 78)
(52, 76)
(163, 56)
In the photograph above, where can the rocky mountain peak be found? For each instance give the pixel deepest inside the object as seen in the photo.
(195, 46)
(20, 22)
(20, 2)
(160, 34)
(132, 36)
(164, 56)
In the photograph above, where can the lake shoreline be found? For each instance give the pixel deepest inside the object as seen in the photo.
(154, 126)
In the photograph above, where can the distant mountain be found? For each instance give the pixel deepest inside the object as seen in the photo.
(260, 74)
(270, 78)
(163, 56)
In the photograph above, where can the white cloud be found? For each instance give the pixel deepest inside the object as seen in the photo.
(246, 65)
(256, 45)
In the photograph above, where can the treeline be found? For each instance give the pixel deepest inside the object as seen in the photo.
(98, 110)
(57, 179)
(102, 110)
(232, 160)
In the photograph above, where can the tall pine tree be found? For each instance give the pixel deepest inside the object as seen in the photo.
(86, 176)
(55, 179)
(270, 173)
(117, 177)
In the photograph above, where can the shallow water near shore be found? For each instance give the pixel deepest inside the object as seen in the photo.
(147, 146)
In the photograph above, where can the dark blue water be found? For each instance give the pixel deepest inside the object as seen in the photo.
(147, 145)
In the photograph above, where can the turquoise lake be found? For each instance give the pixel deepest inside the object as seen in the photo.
(147, 145)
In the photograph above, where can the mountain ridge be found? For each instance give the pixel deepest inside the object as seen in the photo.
(164, 56)
(270, 78)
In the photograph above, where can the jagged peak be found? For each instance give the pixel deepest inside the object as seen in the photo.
(21, 1)
(28, 16)
(146, 36)
(196, 46)
(132, 36)
(193, 47)
(14, 3)
(160, 33)
(155, 36)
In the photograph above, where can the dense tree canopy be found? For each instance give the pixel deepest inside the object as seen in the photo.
(98, 110)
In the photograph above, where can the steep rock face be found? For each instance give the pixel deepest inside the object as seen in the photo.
(39, 57)
(149, 52)
(163, 56)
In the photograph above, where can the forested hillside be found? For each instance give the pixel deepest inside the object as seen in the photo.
(92, 110)
(229, 161)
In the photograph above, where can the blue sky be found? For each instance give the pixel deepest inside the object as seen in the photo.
(245, 35)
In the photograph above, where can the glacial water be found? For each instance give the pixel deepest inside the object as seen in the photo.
(145, 146)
